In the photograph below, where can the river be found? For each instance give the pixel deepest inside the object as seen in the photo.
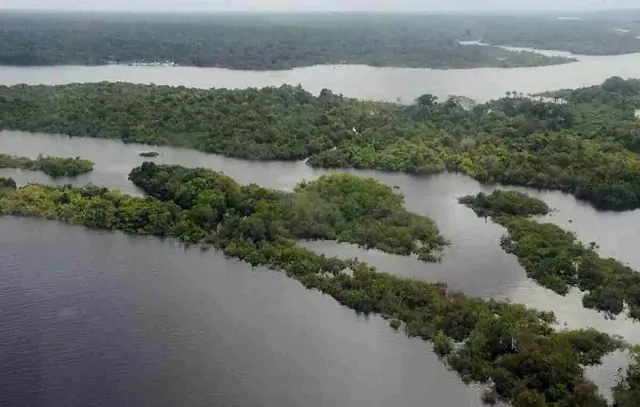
(135, 322)
(474, 263)
(390, 84)
(95, 318)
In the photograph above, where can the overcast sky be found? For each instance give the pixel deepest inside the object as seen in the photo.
(317, 5)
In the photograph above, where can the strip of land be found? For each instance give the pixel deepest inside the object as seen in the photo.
(55, 167)
(588, 145)
(513, 351)
(555, 258)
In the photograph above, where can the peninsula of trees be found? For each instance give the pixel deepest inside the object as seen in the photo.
(514, 351)
(588, 146)
(555, 258)
(55, 167)
(258, 42)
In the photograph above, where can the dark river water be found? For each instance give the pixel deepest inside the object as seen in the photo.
(97, 318)
(142, 322)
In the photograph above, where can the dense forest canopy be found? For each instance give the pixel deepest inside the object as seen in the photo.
(54, 167)
(617, 92)
(504, 203)
(251, 41)
(587, 146)
(555, 258)
(339, 207)
(609, 33)
(514, 351)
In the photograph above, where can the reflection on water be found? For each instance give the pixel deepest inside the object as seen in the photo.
(95, 318)
(132, 321)
(474, 263)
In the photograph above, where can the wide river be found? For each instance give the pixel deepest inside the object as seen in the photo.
(390, 84)
(101, 318)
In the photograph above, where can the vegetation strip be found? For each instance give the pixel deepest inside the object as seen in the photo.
(55, 167)
(514, 351)
(255, 42)
(587, 147)
(555, 258)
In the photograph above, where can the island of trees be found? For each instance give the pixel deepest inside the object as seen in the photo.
(259, 42)
(55, 167)
(513, 351)
(149, 154)
(587, 146)
(555, 258)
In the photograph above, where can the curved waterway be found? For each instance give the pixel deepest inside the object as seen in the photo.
(390, 84)
(474, 263)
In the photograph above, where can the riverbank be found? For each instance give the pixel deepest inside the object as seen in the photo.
(55, 167)
(555, 258)
(400, 300)
(362, 82)
(513, 140)
(250, 42)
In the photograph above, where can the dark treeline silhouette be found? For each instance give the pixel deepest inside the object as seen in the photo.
(249, 41)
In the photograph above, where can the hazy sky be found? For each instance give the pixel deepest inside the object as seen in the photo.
(313, 5)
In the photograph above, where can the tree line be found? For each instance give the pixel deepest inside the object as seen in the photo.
(555, 258)
(258, 42)
(55, 167)
(514, 351)
(587, 145)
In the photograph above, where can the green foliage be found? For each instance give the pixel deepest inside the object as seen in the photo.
(54, 167)
(626, 393)
(442, 345)
(594, 34)
(337, 207)
(248, 41)
(284, 123)
(149, 154)
(504, 203)
(506, 346)
(555, 258)
(7, 183)
(589, 149)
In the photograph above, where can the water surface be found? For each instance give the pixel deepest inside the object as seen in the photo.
(135, 322)
(474, 263)
(97, 318)
(390, 84)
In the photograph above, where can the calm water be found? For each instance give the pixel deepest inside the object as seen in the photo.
(403, 84)
(94, 318)
(90, 316)
(474, 263)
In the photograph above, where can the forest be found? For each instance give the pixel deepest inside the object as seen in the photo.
(7, 183)
(55, 167)
(249, 41)
(504, 203)
(338, 207)
(284, 41)
(587, 33)
(588, 145)
(512, 350)
(555, 258)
